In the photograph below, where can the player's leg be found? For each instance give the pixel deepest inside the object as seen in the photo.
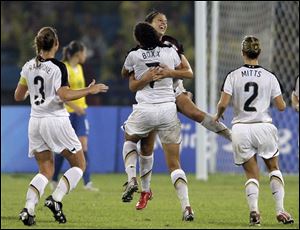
(252, 189)
(146, 165)
(178, 179)
(37, 186)
(277, 188)
(66, 184)
(187, 107)
(130, 160)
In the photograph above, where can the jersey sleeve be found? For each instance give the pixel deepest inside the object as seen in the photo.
(61, 77)
(128, 64)
(276, 89)
(23, 75)
(228, 85)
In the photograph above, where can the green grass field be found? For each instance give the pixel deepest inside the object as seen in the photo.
(219, 203)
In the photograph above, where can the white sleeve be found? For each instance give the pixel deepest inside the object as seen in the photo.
(228, 86)
(128, 64)
(276, 91)
(24, 71)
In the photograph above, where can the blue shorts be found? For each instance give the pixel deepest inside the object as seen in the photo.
(80, 124)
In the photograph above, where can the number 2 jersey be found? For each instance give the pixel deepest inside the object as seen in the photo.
(140, 60)
(252, 88)
(43, 81)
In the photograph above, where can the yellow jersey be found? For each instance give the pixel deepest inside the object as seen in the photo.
(76, 81)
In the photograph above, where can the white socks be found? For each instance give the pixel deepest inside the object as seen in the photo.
(67, 183)
(180, 183)
(35, 191)
(277, 188)
(130, 158)
(146, 165)
(252, 190)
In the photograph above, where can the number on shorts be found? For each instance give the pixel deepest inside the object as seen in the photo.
(36, 81)
(152, 64)
(247, 106)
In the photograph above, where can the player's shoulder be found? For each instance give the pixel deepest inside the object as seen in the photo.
(136, 48)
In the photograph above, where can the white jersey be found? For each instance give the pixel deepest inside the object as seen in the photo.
(252, 88)
(140, 60)
(43, 81)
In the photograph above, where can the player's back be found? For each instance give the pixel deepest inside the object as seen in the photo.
(43, 79)
(140, 60)
(252, 88)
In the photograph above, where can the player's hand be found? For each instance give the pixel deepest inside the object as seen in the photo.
(216, 118)
(149, 75)
(97, 88)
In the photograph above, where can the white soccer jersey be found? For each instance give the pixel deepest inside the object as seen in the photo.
(43, 81)
(141, 60)
(251, 88)
(297, 88)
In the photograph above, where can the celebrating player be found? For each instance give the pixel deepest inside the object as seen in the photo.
(251, 87)
(156, 108)
(45, 79)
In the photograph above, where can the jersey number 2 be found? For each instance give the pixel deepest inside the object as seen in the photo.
(247, 106)
(36, 80)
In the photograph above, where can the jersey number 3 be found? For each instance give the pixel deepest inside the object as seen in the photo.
(247, 106)
(36, 81)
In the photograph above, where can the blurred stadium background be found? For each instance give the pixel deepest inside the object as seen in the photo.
(106, 28)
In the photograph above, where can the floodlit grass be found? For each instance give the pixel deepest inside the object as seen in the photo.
(218, 203)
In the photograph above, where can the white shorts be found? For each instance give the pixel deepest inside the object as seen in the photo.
(249, 139)
(52, 133)
(160, 117)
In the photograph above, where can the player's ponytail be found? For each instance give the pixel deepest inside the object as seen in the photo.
(45, 39)
(251, 47)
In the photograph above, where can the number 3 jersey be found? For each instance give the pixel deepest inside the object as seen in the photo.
(252, 88)
(140, 60)
(43, 80)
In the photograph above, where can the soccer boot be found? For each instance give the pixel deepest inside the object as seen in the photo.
(56, 209)
(285, 218)
(142, 203)
(26, 217)
(130, 188)
(254, 219)
(188, 214)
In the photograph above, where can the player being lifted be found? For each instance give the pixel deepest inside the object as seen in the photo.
(156, 108)
(251, 87)
(45, 79)
(184, 105)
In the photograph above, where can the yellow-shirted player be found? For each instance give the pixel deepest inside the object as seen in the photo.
(74, 55)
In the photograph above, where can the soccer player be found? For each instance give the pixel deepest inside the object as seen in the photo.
(295, 96)
(156, 108)
(74, 55)
(251, 87)
(184, 104)
(45, 79)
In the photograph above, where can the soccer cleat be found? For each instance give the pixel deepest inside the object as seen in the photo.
(89, 186)
(285, 218)
(56, 208)
(130, 188)
(26, 217)
(188, 214)
(142, 203)
(254, 219)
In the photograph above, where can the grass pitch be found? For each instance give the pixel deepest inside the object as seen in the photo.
(219, 203)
